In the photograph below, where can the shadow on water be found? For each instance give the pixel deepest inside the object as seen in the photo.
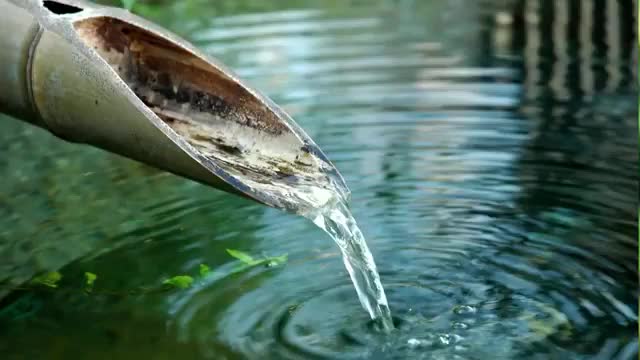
(491, 151)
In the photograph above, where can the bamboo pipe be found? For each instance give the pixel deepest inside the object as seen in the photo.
(105, 77)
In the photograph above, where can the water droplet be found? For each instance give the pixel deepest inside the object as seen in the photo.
(464, 310)
(414, 343)
(446, 339)
(460, 325)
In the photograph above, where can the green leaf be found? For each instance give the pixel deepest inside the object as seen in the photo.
(277, 260)
(128, 4)
(244, 257)
(90, 278)
(204, 270)
(240, 268)
(49, 279)
(180, 281)
(266, 261)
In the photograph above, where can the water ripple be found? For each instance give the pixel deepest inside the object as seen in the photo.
(492, 173)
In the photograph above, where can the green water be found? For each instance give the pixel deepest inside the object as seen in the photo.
(491, 152)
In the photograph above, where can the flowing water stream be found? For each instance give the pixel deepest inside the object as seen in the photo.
(337, 221)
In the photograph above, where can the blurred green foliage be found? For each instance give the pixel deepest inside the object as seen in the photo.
(179, 281)
(49, 279)
(90, 278)
(204, 270)
(128, 4)
(180, 15)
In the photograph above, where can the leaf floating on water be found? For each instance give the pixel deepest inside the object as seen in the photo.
(49, 279)
(204, 270)
(248, 261)
(180, 281)
(242, 256)
(277, 260)
(239, 268)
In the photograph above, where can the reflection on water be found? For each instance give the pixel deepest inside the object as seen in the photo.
(491, 151)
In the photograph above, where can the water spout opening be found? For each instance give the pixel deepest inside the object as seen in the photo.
(59, 8)
(226, 123)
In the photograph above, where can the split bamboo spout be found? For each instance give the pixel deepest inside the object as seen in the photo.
(105, 77)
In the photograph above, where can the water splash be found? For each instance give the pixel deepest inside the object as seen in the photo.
(337, 221)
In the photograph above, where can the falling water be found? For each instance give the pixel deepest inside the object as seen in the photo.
(337, 221)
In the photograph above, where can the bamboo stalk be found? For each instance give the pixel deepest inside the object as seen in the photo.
(105, 77)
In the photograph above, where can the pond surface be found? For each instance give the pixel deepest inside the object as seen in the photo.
(492, 155)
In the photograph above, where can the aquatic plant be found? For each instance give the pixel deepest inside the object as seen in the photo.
(248, 261)
(51, 280)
